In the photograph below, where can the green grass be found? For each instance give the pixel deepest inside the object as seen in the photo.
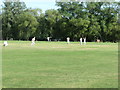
(60, 65)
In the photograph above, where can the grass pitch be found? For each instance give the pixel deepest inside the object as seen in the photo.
(60, 65)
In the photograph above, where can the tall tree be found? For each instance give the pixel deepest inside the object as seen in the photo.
(27, 25)
(11, 12)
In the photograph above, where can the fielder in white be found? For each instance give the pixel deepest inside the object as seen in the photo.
(98, 40)
(48, 38)
(80, 41)
(33, 41)
(68, 40)
(5, 43)
(85, 41)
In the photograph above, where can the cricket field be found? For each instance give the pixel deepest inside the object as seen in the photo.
(59, 65)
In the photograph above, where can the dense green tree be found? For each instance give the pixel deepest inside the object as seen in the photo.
(10, 15)
(93, 20)
(42, 31)
(7, 20)
(26, 25)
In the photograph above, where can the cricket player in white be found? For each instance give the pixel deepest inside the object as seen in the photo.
(48, 38)
(5, 43)
(68, 40)
(33, 41)
(98, 40)
(80, 41)
(85, 41)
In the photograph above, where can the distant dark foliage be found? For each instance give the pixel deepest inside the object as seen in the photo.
(93, 20)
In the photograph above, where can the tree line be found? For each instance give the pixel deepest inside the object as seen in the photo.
(93, 20)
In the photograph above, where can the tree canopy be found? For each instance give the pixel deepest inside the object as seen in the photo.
(93, 20)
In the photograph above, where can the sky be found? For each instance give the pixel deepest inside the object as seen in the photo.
(42, 4)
